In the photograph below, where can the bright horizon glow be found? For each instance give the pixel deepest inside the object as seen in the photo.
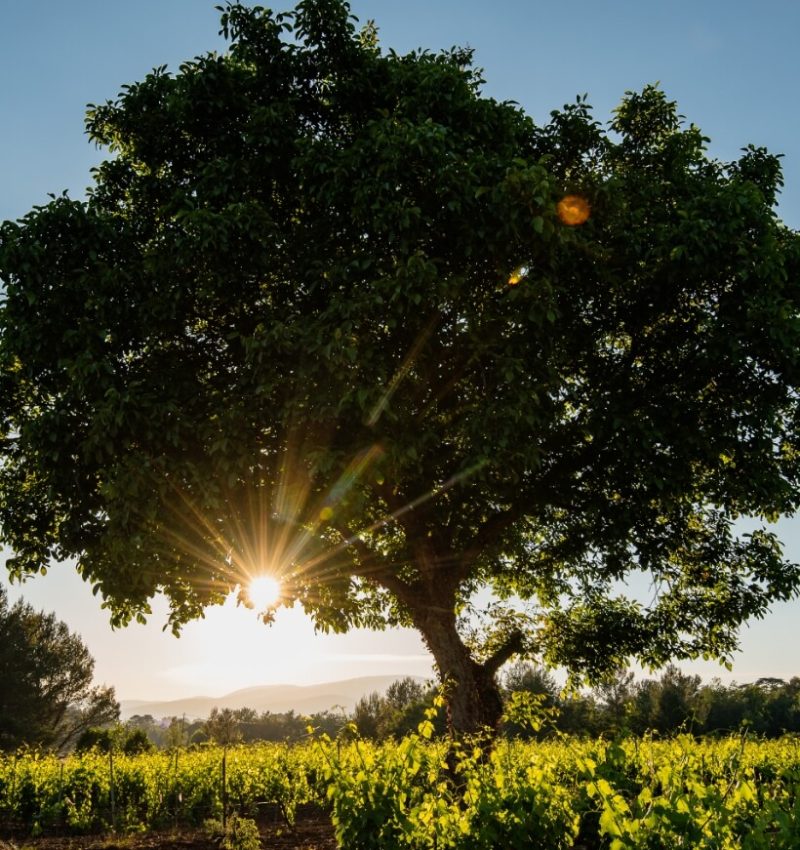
(228, 649)
(263, 591)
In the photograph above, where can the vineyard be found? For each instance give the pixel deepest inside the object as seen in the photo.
(679, 793)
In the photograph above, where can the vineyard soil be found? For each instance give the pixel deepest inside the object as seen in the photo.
(312, 831)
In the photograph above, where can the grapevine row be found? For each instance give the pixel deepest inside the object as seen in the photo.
(418, 795)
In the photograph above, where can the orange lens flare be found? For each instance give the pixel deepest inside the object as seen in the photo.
(573, 210)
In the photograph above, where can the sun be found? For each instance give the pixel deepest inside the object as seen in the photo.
(263, 592)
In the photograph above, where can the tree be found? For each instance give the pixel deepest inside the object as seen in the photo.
(397, 712)
(178, 733)
(644, 708)
(222, 726)
(541, 700)
(407, 691)
(129, 741)
(46, 698)
(726, 708)
(331, 313)
(615, 693)
(578, 715)
(368, 714)
(680, 702)
(523, 676)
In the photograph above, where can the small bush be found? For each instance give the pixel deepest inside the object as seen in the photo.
(239, 833)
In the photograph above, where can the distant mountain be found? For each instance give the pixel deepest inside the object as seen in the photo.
(302, 699)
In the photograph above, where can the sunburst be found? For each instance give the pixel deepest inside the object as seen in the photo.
(263, 591)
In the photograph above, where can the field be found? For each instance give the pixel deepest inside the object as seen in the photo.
(678, 793)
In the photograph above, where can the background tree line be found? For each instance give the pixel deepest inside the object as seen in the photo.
(47, 699)
(674, 702)
(393, 714)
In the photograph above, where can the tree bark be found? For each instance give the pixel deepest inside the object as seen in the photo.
(474, 705)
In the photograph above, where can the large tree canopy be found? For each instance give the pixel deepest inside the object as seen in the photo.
(331, 313)
(46, 693)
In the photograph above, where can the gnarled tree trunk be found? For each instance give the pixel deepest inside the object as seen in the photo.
(473, 698)
(474, 704)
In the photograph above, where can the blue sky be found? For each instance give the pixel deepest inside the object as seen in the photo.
(732, 67)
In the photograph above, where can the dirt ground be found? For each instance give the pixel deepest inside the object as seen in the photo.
(312, 831)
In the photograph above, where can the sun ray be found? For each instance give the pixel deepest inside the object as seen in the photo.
(269, 534)
(404, 369)
(391, 517)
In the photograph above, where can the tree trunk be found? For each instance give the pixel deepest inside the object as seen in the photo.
(474, 704)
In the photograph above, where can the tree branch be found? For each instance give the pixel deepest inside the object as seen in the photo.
(513, 646)
(372, 571)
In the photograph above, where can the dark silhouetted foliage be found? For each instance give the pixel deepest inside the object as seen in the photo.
(335, 305)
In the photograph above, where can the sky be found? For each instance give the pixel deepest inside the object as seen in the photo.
(733, 68)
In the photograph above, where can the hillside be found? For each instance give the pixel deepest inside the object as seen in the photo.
(302, 699)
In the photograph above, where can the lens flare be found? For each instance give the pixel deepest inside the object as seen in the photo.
(573, 210)
(263, 592)
(517, 275)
